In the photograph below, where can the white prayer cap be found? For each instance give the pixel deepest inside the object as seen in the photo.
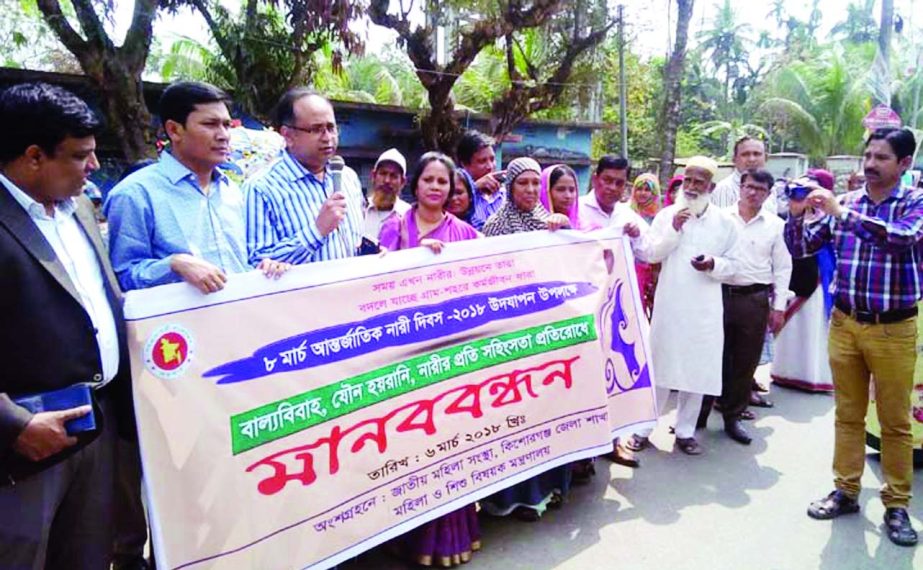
(392, 155)
(704, 163)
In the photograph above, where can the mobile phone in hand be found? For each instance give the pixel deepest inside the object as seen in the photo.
(368, 246)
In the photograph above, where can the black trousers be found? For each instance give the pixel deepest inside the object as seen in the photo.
(745, 318)
(61, 518)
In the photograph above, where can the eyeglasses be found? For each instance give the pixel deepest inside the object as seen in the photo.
(316, 130)
(756, 188)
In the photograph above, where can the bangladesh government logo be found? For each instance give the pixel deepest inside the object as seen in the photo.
(168, 352)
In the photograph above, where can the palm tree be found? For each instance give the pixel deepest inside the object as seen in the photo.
(822, 101)
(727, 42)
(859, 26)
(731, 131)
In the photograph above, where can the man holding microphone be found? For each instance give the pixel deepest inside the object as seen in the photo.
(308, 206)
(878, 235)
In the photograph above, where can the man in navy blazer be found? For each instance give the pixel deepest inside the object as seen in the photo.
(61, 325)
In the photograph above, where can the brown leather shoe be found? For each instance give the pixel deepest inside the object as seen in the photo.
(621, 455)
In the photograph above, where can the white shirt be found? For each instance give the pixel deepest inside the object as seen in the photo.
(75, 252)
(761, 255)
(375, 218)
(593, 217)
(687, 328)
(727, 193)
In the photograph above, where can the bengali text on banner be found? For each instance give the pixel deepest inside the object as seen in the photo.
(297, 423)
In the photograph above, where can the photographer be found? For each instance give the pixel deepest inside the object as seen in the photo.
(877, 235)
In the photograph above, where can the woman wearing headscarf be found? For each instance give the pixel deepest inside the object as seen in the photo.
(673, 187)
(645, 196)
(558, 193)
(461, 201)
(451, 539)
(523, 212)
(801, 346)
(645, 200)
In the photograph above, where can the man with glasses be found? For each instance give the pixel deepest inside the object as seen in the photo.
(753, 297)
(294, 212)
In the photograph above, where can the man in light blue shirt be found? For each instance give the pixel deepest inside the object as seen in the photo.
(181, 219)
(294, 214)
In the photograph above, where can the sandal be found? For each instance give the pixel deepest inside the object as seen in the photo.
(581, 471)
(689, 446)
(525, 514)
(833, 505)
(556, 501)
(900, 531)
(759, 401)
(747, 415)
(637, 443)
(757, 387)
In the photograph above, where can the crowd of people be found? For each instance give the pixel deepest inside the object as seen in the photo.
(788, 260)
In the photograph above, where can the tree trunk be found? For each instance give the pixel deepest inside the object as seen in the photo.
(127, 116)
(887, 25)
(439, 128)
(672, 84)
(114, 70)
(884, 45)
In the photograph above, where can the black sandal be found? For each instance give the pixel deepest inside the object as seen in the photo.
(525, 514)
(833, 505)
(900, 531)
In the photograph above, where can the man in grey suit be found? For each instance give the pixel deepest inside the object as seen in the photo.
(62, 325)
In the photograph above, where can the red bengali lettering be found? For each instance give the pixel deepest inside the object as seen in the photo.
(467, 399)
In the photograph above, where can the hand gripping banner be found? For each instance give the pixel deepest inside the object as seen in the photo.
(296, 423)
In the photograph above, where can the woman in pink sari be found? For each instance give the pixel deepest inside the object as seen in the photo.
(427, 223)
(451, 539)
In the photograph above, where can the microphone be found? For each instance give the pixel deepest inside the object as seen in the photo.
(336, 165)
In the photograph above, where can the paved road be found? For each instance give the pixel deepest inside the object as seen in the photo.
(735, 507)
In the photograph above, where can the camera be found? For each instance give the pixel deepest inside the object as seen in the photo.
(797, 190)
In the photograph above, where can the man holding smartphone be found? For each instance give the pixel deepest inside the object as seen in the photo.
(878, 236)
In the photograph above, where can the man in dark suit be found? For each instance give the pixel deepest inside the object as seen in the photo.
(62, 325)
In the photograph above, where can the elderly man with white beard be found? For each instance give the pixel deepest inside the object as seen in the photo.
(694, 240)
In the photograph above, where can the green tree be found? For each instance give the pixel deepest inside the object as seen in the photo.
(860, 25)
(479, 25)
(822, 101)
(543, 64)
(727, 44)
(27, 42)
(270, 46)
(114, 70)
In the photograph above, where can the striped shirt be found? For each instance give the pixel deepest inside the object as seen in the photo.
(283, 203)
(879, 248)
